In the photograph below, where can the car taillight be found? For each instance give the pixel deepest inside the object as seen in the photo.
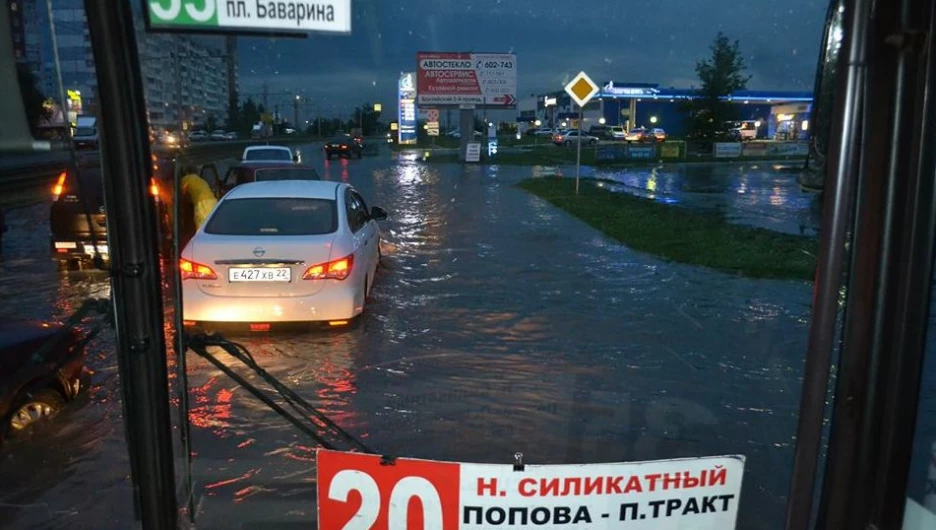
(59, 187)
(191, 270)
(338, 269)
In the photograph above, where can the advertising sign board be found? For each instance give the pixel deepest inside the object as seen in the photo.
(485, 80)
(727, 149)
(788, 148)
(406, 134)
(641, 152)
(365, 491)
(754, 149)
(670, 150)
(473, 152)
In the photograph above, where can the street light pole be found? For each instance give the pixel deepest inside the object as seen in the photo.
(296, 112)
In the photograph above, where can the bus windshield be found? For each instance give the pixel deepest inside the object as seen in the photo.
(466, 284)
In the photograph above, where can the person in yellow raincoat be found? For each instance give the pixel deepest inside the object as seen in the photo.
(197, 202)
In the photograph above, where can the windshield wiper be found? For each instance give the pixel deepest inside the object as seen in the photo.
(199, 344)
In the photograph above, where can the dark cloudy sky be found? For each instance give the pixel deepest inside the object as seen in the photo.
(624, 40)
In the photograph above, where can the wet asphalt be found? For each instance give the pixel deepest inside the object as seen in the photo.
(498, 324)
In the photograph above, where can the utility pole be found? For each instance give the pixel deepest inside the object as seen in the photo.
(266, 104)
(276, 119)
(296, 113)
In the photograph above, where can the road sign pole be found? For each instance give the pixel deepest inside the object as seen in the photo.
(578, 155)
(581, 89)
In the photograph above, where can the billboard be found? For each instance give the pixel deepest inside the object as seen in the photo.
(406, 133)
(485, 80)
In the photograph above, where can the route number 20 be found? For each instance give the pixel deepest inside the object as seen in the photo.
(397, 517)
(357, 492)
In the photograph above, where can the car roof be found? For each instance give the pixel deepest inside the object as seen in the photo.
(253, 147)
(269, 164)
(295, 189)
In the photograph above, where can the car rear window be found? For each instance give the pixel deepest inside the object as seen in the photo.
(286, 174)
(84, 185)
(85, 131)
(274, 217)
(268, 154)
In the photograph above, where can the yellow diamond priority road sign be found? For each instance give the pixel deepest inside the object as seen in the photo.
(582, 89)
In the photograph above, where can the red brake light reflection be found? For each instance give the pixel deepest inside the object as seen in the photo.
(59, 187)
(192, 270)
(338, 269)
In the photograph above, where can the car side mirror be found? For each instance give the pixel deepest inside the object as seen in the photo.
(378, 213)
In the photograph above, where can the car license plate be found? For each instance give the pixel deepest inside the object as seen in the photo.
(260, 274)
(89, 249)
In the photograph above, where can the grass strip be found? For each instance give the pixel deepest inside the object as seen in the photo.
(681, 235)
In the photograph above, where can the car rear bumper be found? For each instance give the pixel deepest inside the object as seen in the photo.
(337, 301)
(63, 249)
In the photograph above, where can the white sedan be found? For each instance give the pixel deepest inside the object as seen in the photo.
(282, 251)
(269, 153)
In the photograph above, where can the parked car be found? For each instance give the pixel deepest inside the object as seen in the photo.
(230, 135)
(86, 133)
(34, 389)
(246, 172)
(657, 135)
(572, 137)
(218, 135)
(618, 132)
(269, 153)
(198, 136)
(637, 134)
(281, 252)
(344, 147)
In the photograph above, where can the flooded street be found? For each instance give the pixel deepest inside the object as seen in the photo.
(763, 194)
(498, 324)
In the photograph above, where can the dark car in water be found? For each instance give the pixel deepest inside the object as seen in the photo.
(345, 147)
(245, 172)
(33, 388)
(77, 219)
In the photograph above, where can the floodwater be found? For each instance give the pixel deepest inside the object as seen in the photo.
(498, 324)
(763, 194)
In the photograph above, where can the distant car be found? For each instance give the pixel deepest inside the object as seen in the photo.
(618, 132)
(34, 389)
(658, 135)
(269, 153)
(343, 147)
(284, 251)
(573, 137)
(198, 136)
(639, 135)
(218, 135)
(246, 172)
(230, 135)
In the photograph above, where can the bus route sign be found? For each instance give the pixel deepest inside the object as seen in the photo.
(248, 16)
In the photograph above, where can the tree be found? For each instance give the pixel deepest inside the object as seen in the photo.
(249, 115)
(33, 99)
(720, 75)
(211, 123)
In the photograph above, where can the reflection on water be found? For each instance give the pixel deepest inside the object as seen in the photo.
(498, 324)
(761, 196)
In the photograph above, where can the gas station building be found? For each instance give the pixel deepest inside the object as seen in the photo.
(781, 114)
